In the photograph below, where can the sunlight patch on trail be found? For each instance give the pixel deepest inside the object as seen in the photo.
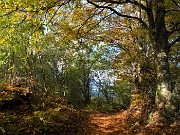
(106, 123)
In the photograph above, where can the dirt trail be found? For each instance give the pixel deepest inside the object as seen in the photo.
(107, 124)
(120, 124)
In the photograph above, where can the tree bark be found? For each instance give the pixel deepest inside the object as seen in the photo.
(86, 87)
(163, 92)
(161, 47)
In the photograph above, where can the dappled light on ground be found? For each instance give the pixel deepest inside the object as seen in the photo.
(106, 123)
(120, 124)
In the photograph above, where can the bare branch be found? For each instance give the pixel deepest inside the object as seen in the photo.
(120, 14)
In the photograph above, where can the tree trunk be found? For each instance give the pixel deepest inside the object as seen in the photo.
(86, 88)
(159, 40)
(163, 92)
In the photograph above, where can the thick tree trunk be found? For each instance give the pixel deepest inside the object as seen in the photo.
(163, 92)
(159, 39)
(163, 109)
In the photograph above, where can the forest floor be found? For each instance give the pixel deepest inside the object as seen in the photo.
(52, 116)
(117, 124)
(106, 123)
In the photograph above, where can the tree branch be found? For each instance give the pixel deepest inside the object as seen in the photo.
(85, 22)
(176, 3)
(97, 24)
(9, 13)
(172, 10)
(177, 39)
(120, 14)
(59, 6)
(133, 2)
(174, 27)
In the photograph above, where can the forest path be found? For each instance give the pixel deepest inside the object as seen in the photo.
(106, 124)
(120, 124)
